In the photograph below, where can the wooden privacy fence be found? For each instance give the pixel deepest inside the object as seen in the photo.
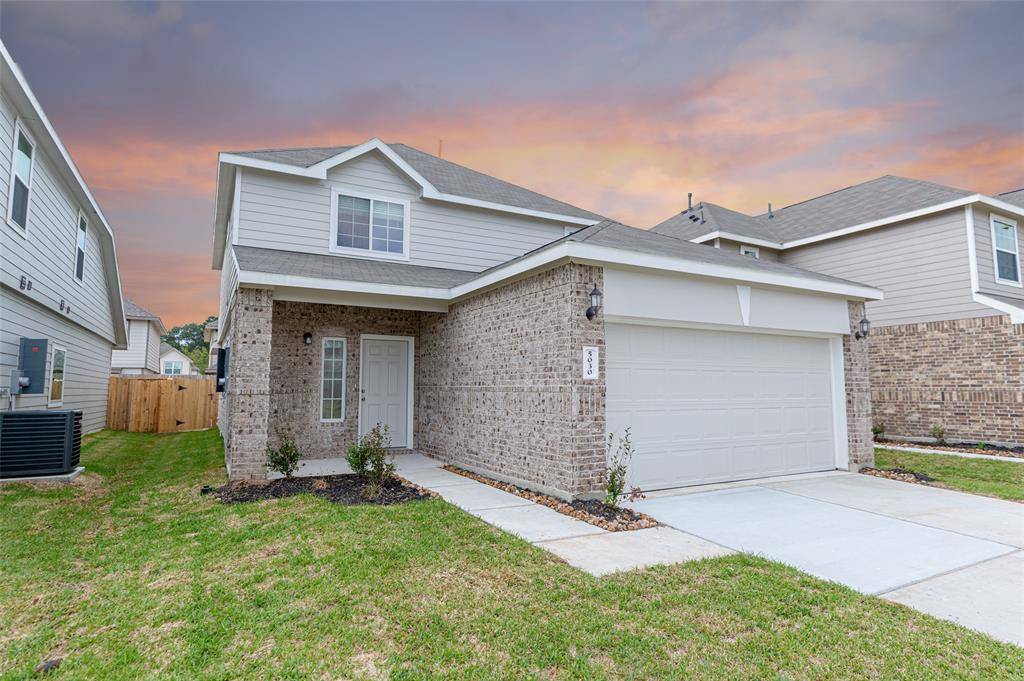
(161, 404)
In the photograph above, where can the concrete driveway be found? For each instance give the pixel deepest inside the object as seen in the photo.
(954, 555)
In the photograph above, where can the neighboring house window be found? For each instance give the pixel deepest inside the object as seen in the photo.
(369, 226)
(21, 178)
(752, 251)
(83, 233)
(1007, 251)
(173, 367)
(57, 367)
(332, 386)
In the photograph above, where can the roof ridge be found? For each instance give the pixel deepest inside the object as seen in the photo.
(258, 151)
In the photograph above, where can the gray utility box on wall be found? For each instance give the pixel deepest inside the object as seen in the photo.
(32, 365)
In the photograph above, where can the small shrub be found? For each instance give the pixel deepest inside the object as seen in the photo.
(284, 459)
(982, 446)
(878, 430)
(619, 457)
(368, 458)
(939, 433)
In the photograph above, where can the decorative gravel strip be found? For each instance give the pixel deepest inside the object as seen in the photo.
(339, 489)
(992, 450)
(901, 474)
(589, 511)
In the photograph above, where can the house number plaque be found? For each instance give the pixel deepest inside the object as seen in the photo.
(591, 362)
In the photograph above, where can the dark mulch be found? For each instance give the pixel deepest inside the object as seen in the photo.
(339, 489)
(994, 450)
(590, 510)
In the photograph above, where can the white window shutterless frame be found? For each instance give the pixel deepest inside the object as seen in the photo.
(83, 237)
(58, 368)
(369, 226)
(333, 365)
(1005, 251)
(19, 194)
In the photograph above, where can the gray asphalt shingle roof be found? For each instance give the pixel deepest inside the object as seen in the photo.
(708, 217)
(447, 177)
(1015, 197)
(873, 200)
(343, 268)
(608, 233)
(133, 311)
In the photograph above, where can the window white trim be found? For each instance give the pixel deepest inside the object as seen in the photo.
(19, 129)
(754, 251)
(993, 219)
(64, 376)
(344, 377)
(85, 244)
(410, 389)
(172, 363)
(333, 246)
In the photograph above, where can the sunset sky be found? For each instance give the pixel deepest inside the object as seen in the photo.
(618, 108)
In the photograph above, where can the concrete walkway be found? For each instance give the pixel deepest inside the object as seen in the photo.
(953, 555)
(580, 544)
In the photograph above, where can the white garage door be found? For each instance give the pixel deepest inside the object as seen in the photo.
(713, 406)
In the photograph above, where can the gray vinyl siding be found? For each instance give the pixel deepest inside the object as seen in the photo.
(986, 256)
(46, 253)
(764, 253)
(87, 368)
(921, 265)
(143, 348)
(292, 213)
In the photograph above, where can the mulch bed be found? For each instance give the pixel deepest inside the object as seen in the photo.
(338, 489)
(994, 450)
(589, 511)
(901, 474)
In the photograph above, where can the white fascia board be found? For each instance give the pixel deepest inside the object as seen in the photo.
(1001, 205)
(501, 207)
(731, 236)
(502, 273)
(1016, 313)
(115, 295)
(251, 278)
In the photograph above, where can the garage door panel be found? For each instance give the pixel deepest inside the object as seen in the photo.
(710, 406)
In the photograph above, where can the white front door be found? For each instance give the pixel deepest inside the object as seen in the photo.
(384, 387)
(713, 406)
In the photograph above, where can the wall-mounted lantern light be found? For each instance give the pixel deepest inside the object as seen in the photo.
(307, 338)
(863, 327)
(595, 303)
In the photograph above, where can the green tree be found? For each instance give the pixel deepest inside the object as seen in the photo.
(188, 337)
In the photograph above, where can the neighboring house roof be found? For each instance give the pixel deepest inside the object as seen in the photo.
(25, 100)
(1015, 197)
(133, 311)
(863, 205)
(606, 242)
(445, 176)
(167, 347)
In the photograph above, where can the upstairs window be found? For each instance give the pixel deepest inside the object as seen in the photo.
(752, 251)
(364, 225)
(1007, 251)
(83, 233)
(21, 179)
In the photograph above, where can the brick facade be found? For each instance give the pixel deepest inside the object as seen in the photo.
(248, 398)
(965, 375)
(856, 367)
(501, 388)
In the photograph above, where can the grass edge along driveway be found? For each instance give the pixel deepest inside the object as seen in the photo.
(130, 573)
(1000, 479)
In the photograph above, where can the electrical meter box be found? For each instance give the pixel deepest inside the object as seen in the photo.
(32, 364)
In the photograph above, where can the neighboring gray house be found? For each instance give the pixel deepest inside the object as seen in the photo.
(142, 356)
(508, 332)
(947, 345)
(60, 295)
(212, 336)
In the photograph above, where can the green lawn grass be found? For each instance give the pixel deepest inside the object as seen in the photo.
(1002, 479)
(130, 573)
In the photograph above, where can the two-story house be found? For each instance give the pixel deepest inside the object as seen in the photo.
(142, 356)
(60, 296)
(947, 342)
(174, 362)
(508, 332)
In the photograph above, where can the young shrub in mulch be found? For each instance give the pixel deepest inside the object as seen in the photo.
(345, 489)
(368, 459)
(593, 511)
(285, 458)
